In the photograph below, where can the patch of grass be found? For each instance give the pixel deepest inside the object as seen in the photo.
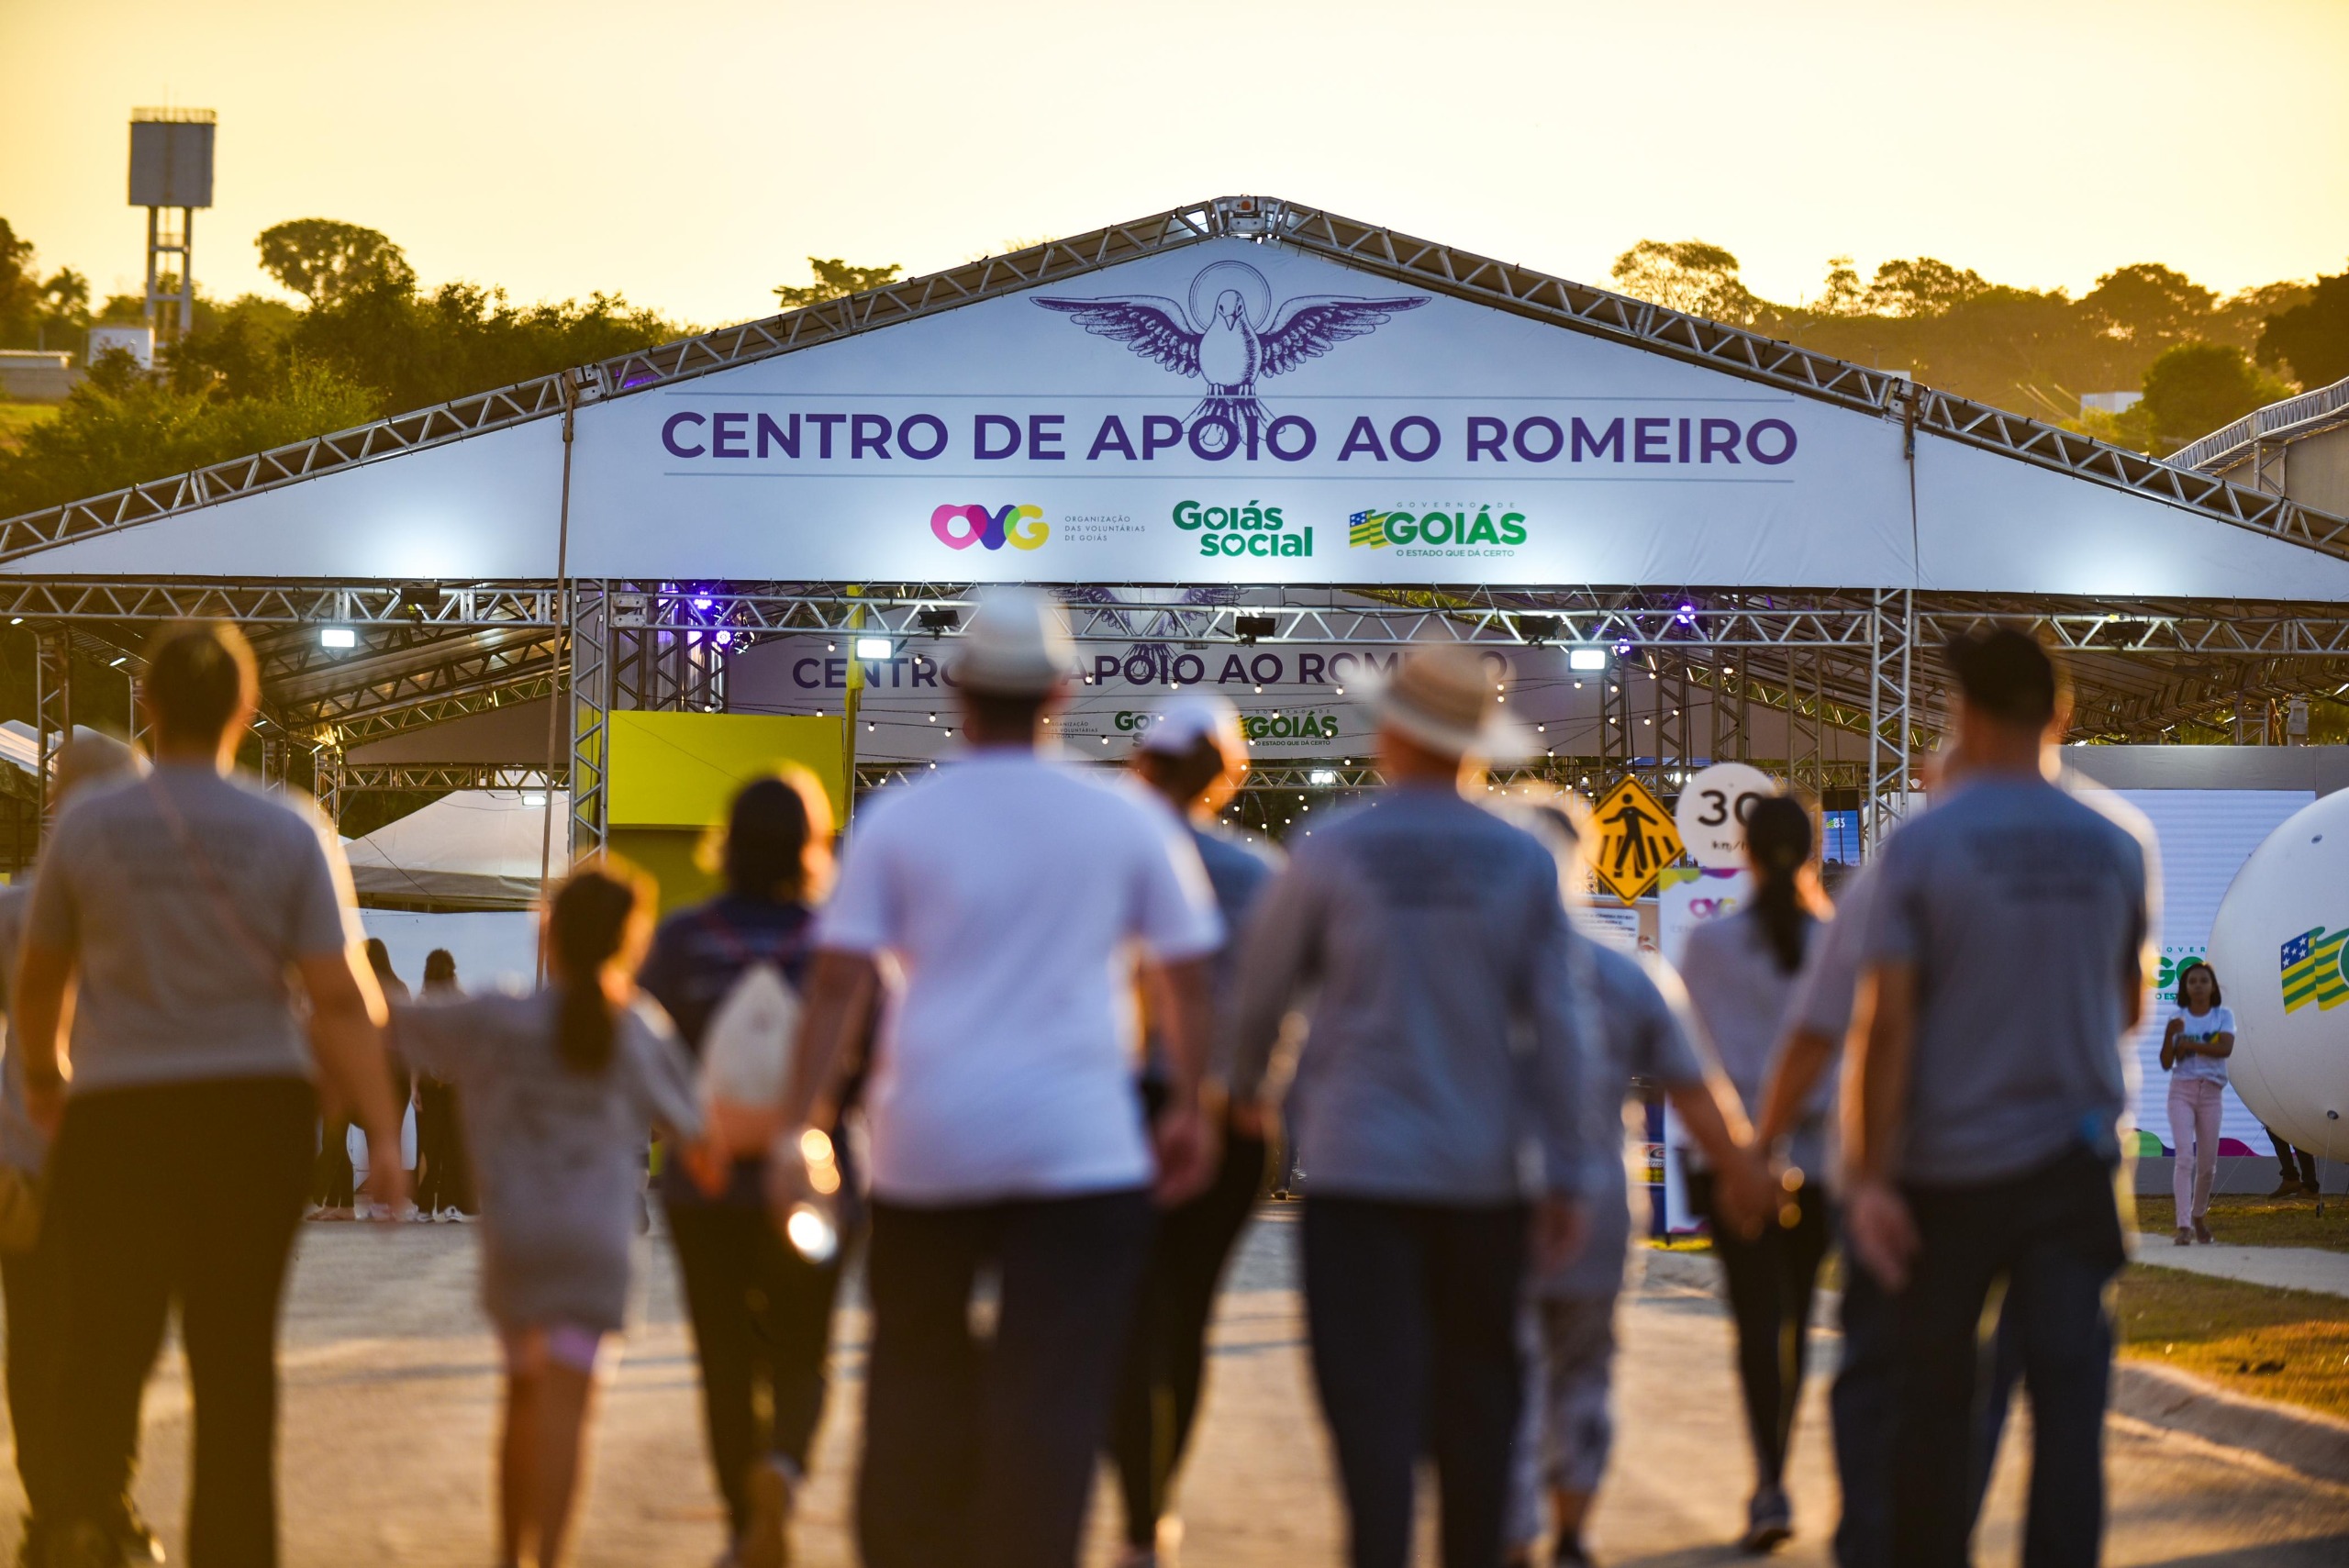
(2258, 1221)
(2289, 1345)
(15, 418)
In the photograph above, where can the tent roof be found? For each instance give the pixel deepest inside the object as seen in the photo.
(1363, 247)
(475, 848)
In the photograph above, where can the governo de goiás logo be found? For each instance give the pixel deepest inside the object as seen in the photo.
(1021, 528)
(2312, 965)
(1230, 337)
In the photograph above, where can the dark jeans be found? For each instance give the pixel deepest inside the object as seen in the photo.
(2298, 1164)
(980, 1450)
(1413, 1311)
(34, 1287)
(188, 1192)
(444, 1177)
(1771, 1281)
(1158, 1388)
(763, 1326)
(333, 1182)
(2053, 1234)
(1860, 1410)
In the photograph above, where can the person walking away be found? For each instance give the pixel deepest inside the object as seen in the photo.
(177, 920)
(761, 1313)
(561, 1089)
(1193, 756)
(1636, 1016)
(396, 991)
(1740, 971)
(2006, 954)
(1432, 938)
(2196, 1043)
(1014, 900)
(31, 1251)
(444, 1183)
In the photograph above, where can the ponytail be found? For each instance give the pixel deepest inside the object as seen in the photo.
(1777, 842)
(590, 922)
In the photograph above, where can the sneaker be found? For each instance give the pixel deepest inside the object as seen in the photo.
(766, 1541)
(1769, 1522)
(2202, 1232)
(2183, 1236)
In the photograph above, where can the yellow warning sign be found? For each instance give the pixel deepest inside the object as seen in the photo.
(1636, 840)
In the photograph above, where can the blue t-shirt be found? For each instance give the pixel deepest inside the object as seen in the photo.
(697, 956)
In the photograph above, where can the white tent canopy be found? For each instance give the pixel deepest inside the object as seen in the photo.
(477, 849)
(1225, 410)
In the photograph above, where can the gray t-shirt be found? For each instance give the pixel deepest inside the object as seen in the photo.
(2023, 909)
(1638, 1016)
(22, 1144)
(1739, 992)
(184, 896)
(1430, 937)
(558, 1154)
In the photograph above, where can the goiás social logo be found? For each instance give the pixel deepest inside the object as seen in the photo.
(1278, 725)
(1458, 531)
(1248, 530)
(2312, 970)
(1021, 528)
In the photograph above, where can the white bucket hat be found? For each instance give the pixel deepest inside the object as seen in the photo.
(1444, 698)
(1015, 645)
(1188, 719)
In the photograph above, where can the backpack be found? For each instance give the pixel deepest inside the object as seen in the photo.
(746, 1054)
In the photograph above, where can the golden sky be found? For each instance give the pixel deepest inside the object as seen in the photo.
(690, 152)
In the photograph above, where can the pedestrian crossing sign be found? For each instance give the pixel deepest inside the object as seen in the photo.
(1636, 840)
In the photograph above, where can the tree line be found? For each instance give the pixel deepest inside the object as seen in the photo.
(2199, 359)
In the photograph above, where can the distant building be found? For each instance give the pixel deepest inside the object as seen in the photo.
(139, 342)
(2299, 447)
(33, 375)
(2110, 401)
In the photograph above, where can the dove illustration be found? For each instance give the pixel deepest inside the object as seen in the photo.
(1228, 351)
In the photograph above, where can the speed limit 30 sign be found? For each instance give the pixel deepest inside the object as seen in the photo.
(1712, 811)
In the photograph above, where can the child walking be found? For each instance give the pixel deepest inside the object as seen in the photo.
(559, 1088)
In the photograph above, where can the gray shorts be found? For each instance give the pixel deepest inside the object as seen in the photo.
(1567, 1430)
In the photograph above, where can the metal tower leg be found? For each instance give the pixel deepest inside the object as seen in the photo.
(590, 693)
(53, 713)
(1894, 626)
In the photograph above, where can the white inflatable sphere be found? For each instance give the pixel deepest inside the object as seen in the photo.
(2278, 946)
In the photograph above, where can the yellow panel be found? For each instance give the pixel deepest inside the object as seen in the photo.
(680, 769)
(669, 856)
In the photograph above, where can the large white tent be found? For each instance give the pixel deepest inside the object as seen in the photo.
(474, 849)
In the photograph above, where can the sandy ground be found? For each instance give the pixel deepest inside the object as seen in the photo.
(391, 1391)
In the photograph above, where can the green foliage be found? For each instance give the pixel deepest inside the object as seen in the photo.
(37, 313)
(322, 260)
(2195, 388)
(417, 350)
(835, 279)
(2311, 338)
(1924, 287)
(242, 349)
(1692, 275)
(121, 427)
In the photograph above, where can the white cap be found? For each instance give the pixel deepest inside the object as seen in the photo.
(1016, 644)
(1182, 723)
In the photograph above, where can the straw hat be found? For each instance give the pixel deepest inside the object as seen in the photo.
(1015, 645)
(1443, 698)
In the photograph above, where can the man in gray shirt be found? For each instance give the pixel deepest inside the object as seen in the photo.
(2004, 965)
(176, 920)
(1440, 1088)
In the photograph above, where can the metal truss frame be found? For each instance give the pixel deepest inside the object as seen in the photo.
(1367, 248)
(589, 691)
(360, 777)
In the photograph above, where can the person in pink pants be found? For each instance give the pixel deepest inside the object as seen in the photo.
(2195, 1048)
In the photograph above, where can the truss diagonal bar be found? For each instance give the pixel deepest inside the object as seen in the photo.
(360, 776)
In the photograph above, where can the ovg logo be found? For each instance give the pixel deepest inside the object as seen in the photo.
(960, 528)
(2312, 971)
(1376, 530)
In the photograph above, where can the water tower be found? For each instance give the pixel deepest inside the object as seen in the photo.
(170, 171)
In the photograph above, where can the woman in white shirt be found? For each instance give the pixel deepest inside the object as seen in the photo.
(2195, 1048)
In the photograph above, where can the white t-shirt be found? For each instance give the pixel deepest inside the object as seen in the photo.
(2210, 1069)
(1007, 899)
